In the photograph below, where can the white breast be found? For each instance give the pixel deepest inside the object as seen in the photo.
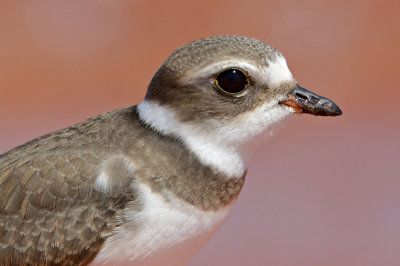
(169, 232)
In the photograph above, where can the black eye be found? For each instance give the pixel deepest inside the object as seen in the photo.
(232, 80)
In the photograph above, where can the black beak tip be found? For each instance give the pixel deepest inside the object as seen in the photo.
(332, 109)
(337, 111)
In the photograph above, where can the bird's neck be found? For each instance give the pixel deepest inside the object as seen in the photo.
(226, 157)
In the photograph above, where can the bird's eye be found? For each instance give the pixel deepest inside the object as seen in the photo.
(232, 81)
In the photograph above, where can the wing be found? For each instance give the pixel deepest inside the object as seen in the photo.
(49, 211)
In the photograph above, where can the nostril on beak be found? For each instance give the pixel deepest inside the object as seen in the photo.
(301, 96)
(304, 101)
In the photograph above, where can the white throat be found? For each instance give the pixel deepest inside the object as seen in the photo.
(226, 147)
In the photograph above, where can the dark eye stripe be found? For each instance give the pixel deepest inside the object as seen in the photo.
(232, 81)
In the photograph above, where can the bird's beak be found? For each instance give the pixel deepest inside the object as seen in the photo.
(304, 101)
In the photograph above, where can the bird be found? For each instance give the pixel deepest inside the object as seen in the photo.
(150, 184)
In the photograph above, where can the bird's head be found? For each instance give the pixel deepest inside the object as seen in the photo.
(226, 90)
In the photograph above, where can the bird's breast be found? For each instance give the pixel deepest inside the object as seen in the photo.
(163, 231)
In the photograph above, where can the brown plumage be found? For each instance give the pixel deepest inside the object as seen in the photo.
(50, 212)
(53, 210)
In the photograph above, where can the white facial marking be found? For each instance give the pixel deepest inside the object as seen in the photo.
(276, 72)
(162, 233)
(219, 145)
(273, 75)
(212, 69)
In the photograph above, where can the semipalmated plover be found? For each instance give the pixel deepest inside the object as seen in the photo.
(150, 184)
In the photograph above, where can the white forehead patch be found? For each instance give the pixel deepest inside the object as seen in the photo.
(277, 72)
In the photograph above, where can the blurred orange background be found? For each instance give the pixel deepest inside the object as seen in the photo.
(324, 191)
